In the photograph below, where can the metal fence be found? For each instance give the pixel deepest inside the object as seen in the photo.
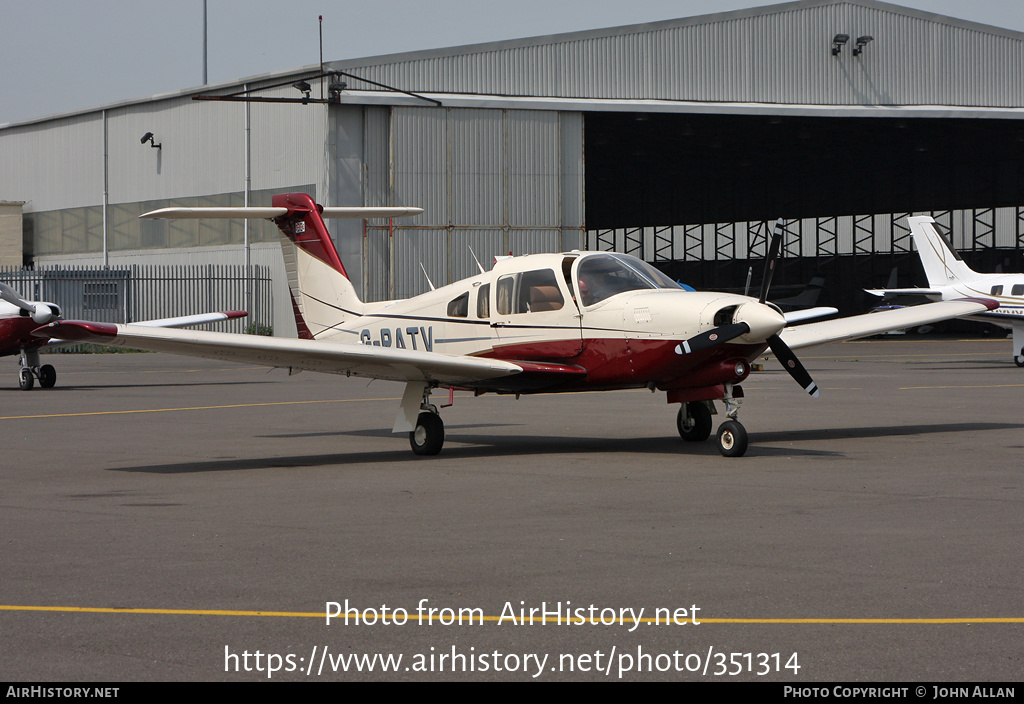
(134, 293)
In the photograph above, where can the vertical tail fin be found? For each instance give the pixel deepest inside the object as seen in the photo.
(323, 296)
(942, 265)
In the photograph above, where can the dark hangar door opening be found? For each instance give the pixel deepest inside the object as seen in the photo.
(650, 169)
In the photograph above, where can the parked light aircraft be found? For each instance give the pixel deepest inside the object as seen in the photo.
(950, 278)
(539, 323)
(19, 318)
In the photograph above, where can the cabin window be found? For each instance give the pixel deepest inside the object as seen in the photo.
(483, 301)
(541, 291)
(1017, 290)
(459, 308)
(997, 290)
(529, 292)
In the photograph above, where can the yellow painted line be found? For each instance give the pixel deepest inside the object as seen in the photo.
(412, 617)
(990, 386)
(923, 355)
(896, 339)
(242, 368)
(197, 408)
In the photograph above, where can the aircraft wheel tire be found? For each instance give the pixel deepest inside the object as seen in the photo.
(25, 379)
(428, 436)
(1019, 359)
(732, 439)
(47, 376)
(696, 428)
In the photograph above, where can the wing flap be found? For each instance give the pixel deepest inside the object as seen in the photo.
(314, 355)
(874, 323)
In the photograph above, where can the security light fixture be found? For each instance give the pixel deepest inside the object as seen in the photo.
(837, 43)
(335, 88)
(148, 137)
(861, 43)
(304, 88)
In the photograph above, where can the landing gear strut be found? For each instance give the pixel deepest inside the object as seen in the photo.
(694, 421)
(428, 437)
(31, 370)
(427, 434)
(732, 436)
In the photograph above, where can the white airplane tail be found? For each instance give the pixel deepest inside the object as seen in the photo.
(323, 297)
(942, 265)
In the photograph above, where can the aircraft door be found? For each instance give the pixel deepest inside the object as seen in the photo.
(534, 317)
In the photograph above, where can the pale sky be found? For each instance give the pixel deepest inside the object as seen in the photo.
(66, 55)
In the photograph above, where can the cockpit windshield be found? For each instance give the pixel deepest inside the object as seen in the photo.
(601, 276)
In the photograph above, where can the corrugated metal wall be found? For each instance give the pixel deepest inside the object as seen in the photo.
(490, 182)
(54, 164)
(778, 54)
(135, 293)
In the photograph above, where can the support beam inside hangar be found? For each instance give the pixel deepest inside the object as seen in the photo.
(649, 169)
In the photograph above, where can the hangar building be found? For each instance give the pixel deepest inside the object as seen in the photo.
(677, 141)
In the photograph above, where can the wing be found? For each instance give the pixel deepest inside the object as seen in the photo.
(873, 323)
(930, 292)
(183, 321)
(798, 316)
(315, 355)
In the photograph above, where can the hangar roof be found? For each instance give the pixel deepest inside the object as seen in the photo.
(780, 54)
(763, 60)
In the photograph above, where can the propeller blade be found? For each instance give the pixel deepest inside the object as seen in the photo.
(713, 338)
(11, 296)
(769, 262)
(792, 365)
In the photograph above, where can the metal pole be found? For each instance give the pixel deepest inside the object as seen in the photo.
(248, 196)
(106, 192)
(205, 81)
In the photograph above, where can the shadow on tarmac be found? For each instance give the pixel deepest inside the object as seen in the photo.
(483, 446)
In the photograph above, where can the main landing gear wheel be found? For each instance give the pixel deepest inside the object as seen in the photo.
(1019, 359)
(732, 439)
(47, 376)
(428, 436)
(694, 421)
(25, 379)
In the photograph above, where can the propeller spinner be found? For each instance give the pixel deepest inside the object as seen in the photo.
(760, 320)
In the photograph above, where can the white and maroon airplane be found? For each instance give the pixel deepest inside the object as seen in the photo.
(21, 334)
(542, 323)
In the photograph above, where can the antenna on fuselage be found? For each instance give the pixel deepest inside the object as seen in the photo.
(429, 282)
(478, 264)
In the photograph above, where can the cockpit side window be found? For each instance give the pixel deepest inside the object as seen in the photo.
(529, 292)
(540, 291)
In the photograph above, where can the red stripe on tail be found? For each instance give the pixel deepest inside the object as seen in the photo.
(304, 226)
